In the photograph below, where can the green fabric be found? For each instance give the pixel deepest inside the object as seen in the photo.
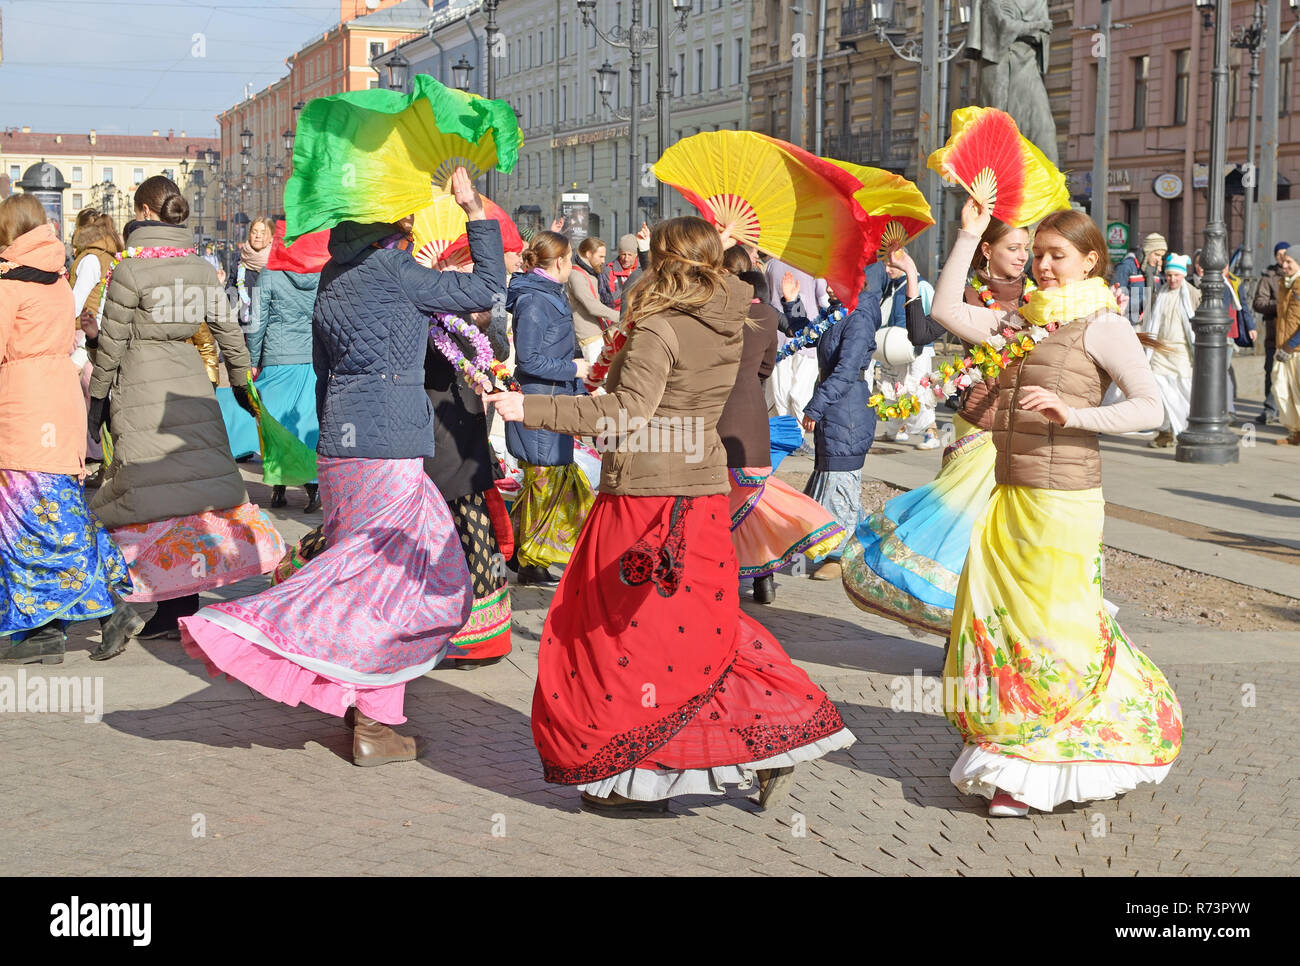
(378, 156)
(286, 460)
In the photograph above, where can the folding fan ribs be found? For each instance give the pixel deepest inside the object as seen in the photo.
(737, 215)
(1001, 169)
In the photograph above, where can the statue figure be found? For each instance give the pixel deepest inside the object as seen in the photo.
(1011, 40)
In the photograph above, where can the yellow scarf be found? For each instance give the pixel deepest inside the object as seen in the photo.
(1065, 303)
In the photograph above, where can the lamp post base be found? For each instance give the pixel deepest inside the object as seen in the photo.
(1207, 446)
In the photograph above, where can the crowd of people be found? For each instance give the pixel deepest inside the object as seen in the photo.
(652, 682)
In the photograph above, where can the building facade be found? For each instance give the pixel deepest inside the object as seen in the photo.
(546, 65)
(92, 162)
(1160, 76)
(250, 183)
(870, 96)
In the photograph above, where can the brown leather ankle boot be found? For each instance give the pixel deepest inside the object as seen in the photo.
(377, 744)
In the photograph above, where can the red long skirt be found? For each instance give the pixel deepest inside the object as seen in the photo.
(628, 678)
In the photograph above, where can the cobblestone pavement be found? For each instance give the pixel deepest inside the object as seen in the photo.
(187, 775)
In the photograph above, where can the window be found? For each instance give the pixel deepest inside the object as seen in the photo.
(78, 201)
(1234, 88)
(108, 174)
(1141, 75)
(1182, 84)
(591, 162)
(846, 107)
(372, 83)
(564, 102)
(738, 64)
(773, 114)
(1174, 222)
(1130, 206)
(699, 70)
(591, 95)
(774, 11)
(679, 82)
(562, 153)
(168, 173)
(564, 39)
(882, 107)
(377, 47)
(16, 172)
(78, 174)
(137, 175)
(717, 66)
(613, 161)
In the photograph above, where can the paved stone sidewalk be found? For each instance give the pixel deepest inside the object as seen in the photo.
(186, 775)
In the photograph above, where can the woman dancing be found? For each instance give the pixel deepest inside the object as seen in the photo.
(1052, 700)
(651, 681)
(378, 606)
(904, 561)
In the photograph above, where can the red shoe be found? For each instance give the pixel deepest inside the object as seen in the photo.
(1004, 806)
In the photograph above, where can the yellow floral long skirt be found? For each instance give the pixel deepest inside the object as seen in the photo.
(1053, 701)
(548, 514)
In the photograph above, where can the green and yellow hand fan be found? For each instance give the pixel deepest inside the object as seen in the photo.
(378, 156)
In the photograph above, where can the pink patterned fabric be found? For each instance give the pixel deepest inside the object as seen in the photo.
(375, 609)
(184, 555)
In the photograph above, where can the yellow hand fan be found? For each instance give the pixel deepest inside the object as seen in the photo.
(772, 195)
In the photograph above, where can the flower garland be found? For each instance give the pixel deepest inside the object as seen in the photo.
(811, 334)
(478, 371)
(982, 290)
(158, 251)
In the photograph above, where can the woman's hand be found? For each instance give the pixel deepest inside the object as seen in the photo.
(724, 236)
(254, 372)
(643, 233)
(481, 319)
(1042, 400)
(789, 287)
(584, 368)
(809, 424)
(899, 259)
(557, 225)
(509, 405)
(88, 323)
(975, 217)
(467, 195)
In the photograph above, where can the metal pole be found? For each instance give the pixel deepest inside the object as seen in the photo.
(1268, 135)
(490, 32)
(940, 127)
(1249, 236)
(1207, 438)
(1101, 127)
(926, 142)
(819, 118)
(799, 79)
(634, 122)
(665, 93)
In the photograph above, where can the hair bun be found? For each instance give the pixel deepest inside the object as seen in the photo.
(175, 209)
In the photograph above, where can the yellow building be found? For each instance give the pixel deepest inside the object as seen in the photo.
(89, 162)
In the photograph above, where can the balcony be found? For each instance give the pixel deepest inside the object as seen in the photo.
(893, 150)
(855, 21)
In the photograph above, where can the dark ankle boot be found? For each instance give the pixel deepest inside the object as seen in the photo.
(764, 589)
(313, 497)
(277, 497)
(117, 630)
(42, 646)
(377, 744)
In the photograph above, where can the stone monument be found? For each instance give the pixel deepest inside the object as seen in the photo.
(1011, 40)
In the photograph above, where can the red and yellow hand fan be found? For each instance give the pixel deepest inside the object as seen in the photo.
(768, 195)
(1000, 168)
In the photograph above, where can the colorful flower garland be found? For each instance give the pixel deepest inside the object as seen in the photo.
(988, 359)
(158, 251)
(478, 371)
(811, 334)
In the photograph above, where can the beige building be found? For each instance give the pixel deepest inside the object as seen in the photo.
(90, 162)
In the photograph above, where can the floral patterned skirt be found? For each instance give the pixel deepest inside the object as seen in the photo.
(650, 696)
(772, 522)
(904, 561)
(1053, 701)
(547, 514)
(57, 562)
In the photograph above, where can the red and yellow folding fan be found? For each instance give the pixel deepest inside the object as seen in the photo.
(769, 195)
(440, 230)
(1000, 168)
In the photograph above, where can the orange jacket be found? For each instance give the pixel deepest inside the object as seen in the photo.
(42, 411)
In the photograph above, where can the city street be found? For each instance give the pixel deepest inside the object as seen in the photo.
(188, 775)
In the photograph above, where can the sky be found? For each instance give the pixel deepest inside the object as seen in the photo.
(135, 66)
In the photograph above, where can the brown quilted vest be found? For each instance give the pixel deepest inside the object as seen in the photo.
(980, 400)
(1031, 449)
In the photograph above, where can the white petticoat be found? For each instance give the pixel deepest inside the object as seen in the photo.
(1044, 785)
(653, 784)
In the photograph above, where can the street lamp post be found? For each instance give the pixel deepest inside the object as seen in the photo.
(492, 32)
(1250, 37)
(460, 72)
(928, 53)
(635, 39)
(1207, 438)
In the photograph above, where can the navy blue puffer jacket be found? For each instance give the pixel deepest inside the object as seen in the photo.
(544, 349)
(845, 427)
(369, 330)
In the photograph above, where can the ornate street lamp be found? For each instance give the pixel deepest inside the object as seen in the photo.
(399, 70)
(606, 74)
(210, 158)
(460, 71)
(245, 139)
(287, 136)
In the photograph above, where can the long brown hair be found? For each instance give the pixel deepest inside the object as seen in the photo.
(994, 233)
(546, 248)
(685, 269)
(19, 214)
